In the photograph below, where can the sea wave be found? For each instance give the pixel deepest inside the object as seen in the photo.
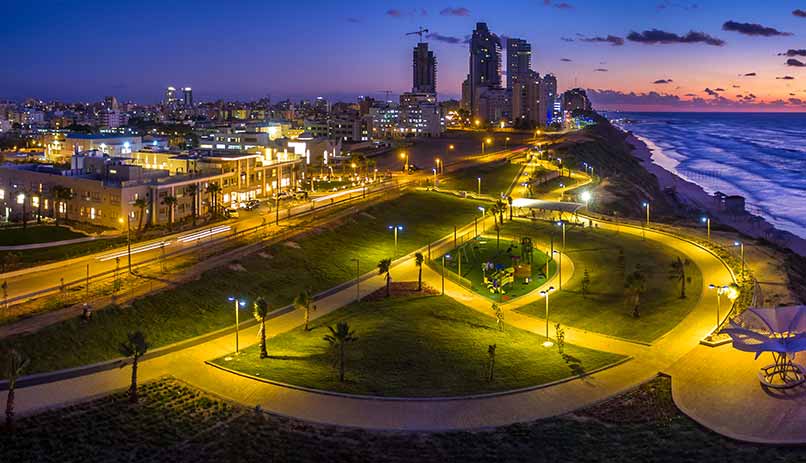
(759, 156)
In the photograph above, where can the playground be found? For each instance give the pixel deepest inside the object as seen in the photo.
(500, 268)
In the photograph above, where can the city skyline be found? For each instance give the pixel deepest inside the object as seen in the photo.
(660, 56)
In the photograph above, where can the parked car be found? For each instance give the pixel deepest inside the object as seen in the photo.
(232, 213)
(250, 204)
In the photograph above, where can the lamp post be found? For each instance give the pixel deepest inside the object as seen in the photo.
(719, 291)
(645, 204)
(357, 280)
(561, 223)
(545, 293)
(559, 266)
(443, 272)
(479, 183)
(435, 176)
(238, 304)
(438, 163)
(405, 155)
(483, 216)
(506, 143)
(740, 244)
(586, 196)
(395, 229)
(707, 221)
(129, 240)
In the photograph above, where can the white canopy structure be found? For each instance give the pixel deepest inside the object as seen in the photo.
(780, 331)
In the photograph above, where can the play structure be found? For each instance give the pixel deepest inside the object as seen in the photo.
(780, 331)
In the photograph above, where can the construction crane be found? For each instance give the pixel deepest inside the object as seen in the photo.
(419, 32)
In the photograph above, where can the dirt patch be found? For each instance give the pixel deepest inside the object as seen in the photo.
(236, 267)
(650, 402)
(291, 244)
(402, 289)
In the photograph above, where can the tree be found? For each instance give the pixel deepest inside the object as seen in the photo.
(213, 190)
(61, 194)
(134, 348)
(170, 201)
(491, 364)
(509, 206)
(260, 311)
(501, 207)
(141, 205)
(418, 261)
(338, 339)
(384, 267)
(17, 363)
(635, 286)
(560, 337)
(586, 283)
(499, 316)
(677, 271)
(193, 190)
(495, 210)
(304, 302)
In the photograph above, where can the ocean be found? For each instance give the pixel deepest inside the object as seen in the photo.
(760, 156)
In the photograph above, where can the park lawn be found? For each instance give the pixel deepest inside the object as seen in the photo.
(422, 346)
(31, 257)
(34, 234)
(496, 178)
(553, 184)
(604, 309)
(316, 261)
(486, 249)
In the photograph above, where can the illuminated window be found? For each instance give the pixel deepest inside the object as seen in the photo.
(34, 201)
(20, 198)
(2, 194)
(92, 213)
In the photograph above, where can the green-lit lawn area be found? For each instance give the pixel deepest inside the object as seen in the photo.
(317, 261)
(495, 178)
(424, 346)
(553, 184)
(36, 234)
(604, 309)
(32, 257)
(479, 252)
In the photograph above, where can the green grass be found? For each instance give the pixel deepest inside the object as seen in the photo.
(604, 310)
(317, 261)
(426, 346)
(486, 249)
(175, 422)
(32, 257)
(495, 178)
(553, 184)
(34, 234)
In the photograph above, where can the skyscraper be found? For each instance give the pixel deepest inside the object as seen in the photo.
(425, 70)
(187, 97)
(549, 95)
(519, 61)
(170, 96)
(485, 65)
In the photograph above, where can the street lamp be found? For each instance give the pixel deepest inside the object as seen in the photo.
(357, 280)
(506, 143)
(561, 223)
(438, 162)
(405, 155)
(545, 293)
(559, 266)
(395, 228)
(586, 196)
(707, 220)
(720, 290)
(645, 205)
(238, 304)
(448, 256)
(435, 176)
(741, 250)
(479, 181)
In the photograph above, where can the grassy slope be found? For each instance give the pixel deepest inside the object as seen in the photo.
(177, 423)
(495, 178)
(36, 234)
(317, 261)
(421, 346)
(604, 310)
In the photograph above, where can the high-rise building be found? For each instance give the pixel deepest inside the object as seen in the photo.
(485, 65)
(111, 102)
(187, 97)
(425, 70)
(170, 96)
(519, 61)
(548, 96)
(527, 94)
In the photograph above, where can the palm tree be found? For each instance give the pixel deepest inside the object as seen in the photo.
(677, 271)
(384, 267)
(141, 205)
(418, 261)
(304, 302)
(193, 190)
(134, 348)
(501, 207)
(635, 284)
(61, 194)
(213, 190)
(170, 201)
(260, 311)
(509, 205)
(494, 211)
(338, 339)
(17, 363)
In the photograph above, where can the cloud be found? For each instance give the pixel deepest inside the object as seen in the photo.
(600, 70)
(799, 13)
(711, 92)
(396, 13)
(795, 63)
(796, 101)
(566, 60)
(737, 86)
(719, 89)
(656, 36)
(446, 38)
(785, 78)
(611, 39)
(663, 81)
(792, 52)
(461, 11)
(566, 39)
(682, 5)
(353, 20)
(691, 94)
(752, 29)
(558, 5)
(749, 74)
(604, 98)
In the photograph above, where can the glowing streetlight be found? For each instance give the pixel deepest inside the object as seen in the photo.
(559, 266)
(479, 183)
(562, 251)
(506, 142)
(586, 197)
(645, 205)
(405, 156)
(435, 176)
(707, 220)
(238, 304)
(438, 162)
(477, 122)
(396, 228)
(545, 293)
(741, 250)
(443, 272)
(719, 291)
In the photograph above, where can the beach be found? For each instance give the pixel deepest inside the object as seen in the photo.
(653, 160)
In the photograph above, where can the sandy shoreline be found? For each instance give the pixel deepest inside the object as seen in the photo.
(696, 197)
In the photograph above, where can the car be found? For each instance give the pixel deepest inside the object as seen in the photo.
(232, 213)
(250, 204)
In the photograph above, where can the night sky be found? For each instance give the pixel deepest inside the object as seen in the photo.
(82, 51)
